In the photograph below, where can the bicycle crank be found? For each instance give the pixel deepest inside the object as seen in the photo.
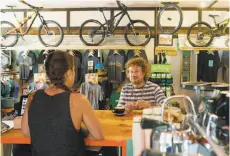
(200, 36)
(50, 33)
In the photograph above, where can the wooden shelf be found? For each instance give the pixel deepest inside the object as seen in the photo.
(186, 71)
(72, 42)
(186, 58)
(197, 49)
(204, 48)
(9, 73)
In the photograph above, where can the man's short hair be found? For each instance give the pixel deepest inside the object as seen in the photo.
(140, 62)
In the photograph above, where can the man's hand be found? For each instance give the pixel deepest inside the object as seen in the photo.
(131, 106)
(141, 104)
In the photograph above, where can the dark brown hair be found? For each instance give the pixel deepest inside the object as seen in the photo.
(140, 62)
(56, 65)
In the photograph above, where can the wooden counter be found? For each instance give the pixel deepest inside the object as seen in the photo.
(117, 130)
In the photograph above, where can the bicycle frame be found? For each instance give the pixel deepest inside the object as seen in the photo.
(25, 20)
(123, 12)
(225, 23)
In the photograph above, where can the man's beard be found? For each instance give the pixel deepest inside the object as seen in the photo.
(136, 82)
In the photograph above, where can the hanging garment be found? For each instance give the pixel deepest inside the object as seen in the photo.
(36, 86)
(115, 65)
(106, 88)
(78, 73)
(208, 65)
(3, 89)
(43, 55)
(24, 70)
(225, 64)
(93, 92)
(89, 62)
(121, 52)
(7, 59)
(131, 54)
(16, 90)
(27, 62)
(78, 54)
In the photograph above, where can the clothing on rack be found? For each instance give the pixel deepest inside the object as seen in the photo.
(27, 63)
(121, 52)
(78, 72)
(132, 54)
(37, 85)
(9, 88)
(208, 65)
(7, 59)
(106, 88)
(93, 92)
(115, 65)
(78, 54)
(43, 55)
(89, 62)
(225, 64)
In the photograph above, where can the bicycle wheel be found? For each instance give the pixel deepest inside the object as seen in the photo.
(139, 34)
(170, 18)
(92, 33)
(227, 42)
(50, 34)
(200, 36)
(9, 34)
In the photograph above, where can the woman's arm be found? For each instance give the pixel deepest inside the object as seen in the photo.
(24, 123)
(82, 105)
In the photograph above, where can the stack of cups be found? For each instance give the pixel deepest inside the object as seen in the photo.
(151, 113)
(138, 137)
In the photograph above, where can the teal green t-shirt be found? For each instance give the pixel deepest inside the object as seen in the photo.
(114, 99)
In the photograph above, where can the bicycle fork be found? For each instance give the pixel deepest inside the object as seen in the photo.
(131, 22)
(134, 31)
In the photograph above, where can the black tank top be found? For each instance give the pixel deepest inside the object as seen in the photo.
(51, 128)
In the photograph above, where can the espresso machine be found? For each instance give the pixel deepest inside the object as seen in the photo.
(167, 140)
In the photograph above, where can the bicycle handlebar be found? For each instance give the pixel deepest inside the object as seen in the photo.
(29, 5)
(120, 5)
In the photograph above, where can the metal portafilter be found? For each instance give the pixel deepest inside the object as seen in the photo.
(149, 152)
(152, 124)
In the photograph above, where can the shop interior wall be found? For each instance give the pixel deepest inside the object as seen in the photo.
(78, 17)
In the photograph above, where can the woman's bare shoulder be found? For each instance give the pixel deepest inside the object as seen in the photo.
(78, 99)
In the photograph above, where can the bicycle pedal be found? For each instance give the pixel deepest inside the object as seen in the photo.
(107, 35)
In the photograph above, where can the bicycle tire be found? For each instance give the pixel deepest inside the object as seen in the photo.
(16, 36)
(81, 33)
(148, 29)
(227, 43)
(189, 32)
(60, 31)
(179, 23)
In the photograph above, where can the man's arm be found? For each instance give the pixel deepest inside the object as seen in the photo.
(159, 95)
(121, 101)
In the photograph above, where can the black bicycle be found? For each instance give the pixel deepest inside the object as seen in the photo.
(137, 32)
(50, 32)
(169, 18)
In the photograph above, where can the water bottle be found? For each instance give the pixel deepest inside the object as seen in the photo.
(138, 137)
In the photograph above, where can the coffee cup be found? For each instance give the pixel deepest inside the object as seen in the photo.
(119, 110)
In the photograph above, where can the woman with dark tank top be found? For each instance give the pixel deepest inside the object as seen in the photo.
(53, 116)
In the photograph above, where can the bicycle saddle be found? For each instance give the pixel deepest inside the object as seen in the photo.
(101, 9)
(213, 16)
(10, 6)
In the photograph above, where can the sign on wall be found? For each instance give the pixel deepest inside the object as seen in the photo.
(165, 39)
